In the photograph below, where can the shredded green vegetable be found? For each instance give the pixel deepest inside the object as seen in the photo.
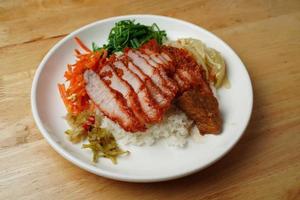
(127, 33)
(86, 125)
(76, 133)
(103, 144)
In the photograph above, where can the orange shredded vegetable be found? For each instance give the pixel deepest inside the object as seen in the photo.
(82, 45)
(74, 94)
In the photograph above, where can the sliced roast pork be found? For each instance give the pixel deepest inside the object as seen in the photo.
(148, 104)
(108, 74)
(136, 89)
(111, 103)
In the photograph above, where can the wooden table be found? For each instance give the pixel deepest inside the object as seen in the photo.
(265, 164)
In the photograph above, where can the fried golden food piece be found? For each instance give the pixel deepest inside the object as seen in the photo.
(203, 109)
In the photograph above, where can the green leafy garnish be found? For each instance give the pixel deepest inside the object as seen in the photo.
(127, 33)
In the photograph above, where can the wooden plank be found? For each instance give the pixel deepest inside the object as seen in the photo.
(28, 21)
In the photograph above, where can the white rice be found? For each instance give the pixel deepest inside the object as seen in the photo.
(174, 128)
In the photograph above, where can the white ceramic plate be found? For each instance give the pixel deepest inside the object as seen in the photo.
(144, 164)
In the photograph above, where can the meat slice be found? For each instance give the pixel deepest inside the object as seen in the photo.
(155, 92)
(186, 69)
(111, 103)
(203, 109)
(108, 74)
(127, 75)
(166, 56)
(158, 58)
(148, 105)
(167, 81)
(155, 56)
(150, 71)
(187, 79)
(147, 59)
(180, 82)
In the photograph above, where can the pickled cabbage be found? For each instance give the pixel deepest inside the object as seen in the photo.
(86, 125)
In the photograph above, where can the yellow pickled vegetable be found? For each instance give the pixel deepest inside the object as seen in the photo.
(87, 125)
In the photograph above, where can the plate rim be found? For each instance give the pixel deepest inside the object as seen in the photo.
(113, 175)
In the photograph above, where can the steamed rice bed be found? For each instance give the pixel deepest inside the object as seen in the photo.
(174, 127)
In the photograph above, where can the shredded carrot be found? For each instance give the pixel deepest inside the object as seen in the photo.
(77, 52)
(92, 106)
(104, 55)
(79, 42)
(74, 94)
(63, 94)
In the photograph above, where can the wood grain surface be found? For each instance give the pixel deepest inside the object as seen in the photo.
(265, 164)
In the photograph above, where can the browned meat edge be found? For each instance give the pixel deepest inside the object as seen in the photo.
(203, 109)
